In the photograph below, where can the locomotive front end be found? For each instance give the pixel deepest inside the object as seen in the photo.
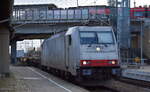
(98, 53)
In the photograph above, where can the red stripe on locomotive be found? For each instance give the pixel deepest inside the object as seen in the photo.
(99, 63)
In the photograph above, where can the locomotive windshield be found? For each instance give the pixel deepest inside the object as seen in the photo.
(96, 38)
(105, 37)
(88, 38)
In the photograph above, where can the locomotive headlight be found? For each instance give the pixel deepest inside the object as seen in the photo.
(113, 62)
(85, 62)
(98, 49)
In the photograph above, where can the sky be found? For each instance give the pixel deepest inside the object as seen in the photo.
(28, 44)
(72, 3)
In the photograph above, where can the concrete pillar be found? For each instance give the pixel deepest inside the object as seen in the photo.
(4, 51)
(13, 52)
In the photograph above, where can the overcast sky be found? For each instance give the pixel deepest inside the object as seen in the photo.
(71, 3)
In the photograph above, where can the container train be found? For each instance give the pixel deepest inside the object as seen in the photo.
(31, 58)
(83, 52)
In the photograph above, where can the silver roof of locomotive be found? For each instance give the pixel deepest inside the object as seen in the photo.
(88, 28)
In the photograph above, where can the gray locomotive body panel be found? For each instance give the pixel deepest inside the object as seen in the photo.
(73, 50)
(53, 52)
(90, 53)
(57, 53)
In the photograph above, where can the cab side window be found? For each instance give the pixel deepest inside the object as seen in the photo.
(70, 40)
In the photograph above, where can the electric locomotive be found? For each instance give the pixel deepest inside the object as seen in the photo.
(87, 53)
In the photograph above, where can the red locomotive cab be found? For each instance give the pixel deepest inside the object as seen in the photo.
(138, 12)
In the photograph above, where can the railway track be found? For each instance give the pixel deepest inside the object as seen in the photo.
(122, 86)
(102, 89)
(140, 83)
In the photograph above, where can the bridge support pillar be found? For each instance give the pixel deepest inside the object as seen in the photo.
(4, 51)
(13, 52)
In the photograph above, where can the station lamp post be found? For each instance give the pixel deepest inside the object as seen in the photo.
(141, 42)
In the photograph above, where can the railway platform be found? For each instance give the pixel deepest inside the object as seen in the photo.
(142, 73)
(29, 79)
